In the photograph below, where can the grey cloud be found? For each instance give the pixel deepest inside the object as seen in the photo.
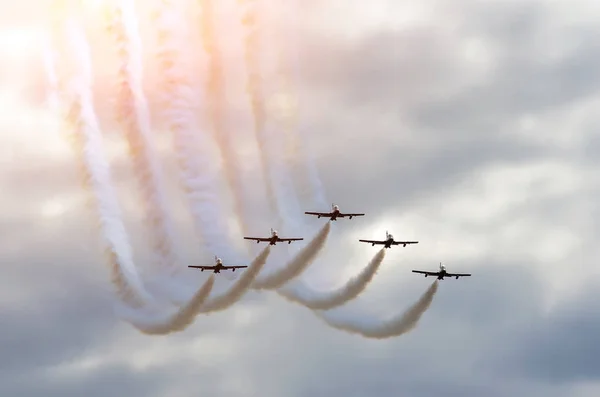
(391, 176)
(61, 323)
(482, 336)
(394, 76)
(277, 352)
(561, 347)
(115, 379)
(413, 73)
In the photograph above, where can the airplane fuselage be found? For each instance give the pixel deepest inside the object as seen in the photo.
(441, 274)
(334, 214)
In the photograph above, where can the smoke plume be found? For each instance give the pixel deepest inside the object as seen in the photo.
(88, 142)
(166, 323)
(198, 177)
(133, 115)
(328, 300)
(387, 329)
(216, 105)
(297, 265)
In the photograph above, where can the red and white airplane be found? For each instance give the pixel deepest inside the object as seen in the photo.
(218, 266)
(334, 214)
(442, 273)
(389, 241)
(274, 239)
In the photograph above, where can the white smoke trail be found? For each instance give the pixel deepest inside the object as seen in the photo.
(216, 105)
(166, 323)
(133, 114)
(240, 287)
(301, 151)
(180, 294)
(391, 328)
(328, 300)
(88, 138)
(272, 145)
(198, 172)
(281, 193)
(297, 265)
(49, 61)
(251, 47)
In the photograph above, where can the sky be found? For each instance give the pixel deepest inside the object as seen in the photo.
(470, 127)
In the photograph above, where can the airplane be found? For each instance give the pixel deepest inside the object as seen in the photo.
(334, 214)
(218, 266)
(274, 239)
(442, 273)
(389, 241)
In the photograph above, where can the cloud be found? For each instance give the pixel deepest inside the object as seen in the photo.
(471, 129)
(559, 347)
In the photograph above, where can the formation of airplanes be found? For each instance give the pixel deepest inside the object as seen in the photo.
(333, 215)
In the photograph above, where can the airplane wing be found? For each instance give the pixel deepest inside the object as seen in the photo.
(291, 239)
(457, 275)
(202, 267)
(257, 238)
(233, 267)
(345, 215)
(404, 242)
(372, 241)
(427, 273)
(319, 213)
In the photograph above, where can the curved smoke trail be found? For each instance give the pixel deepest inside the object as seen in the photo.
(301, 152)
(240, 287)
(216, 112)
(251, 45)
(49, 62)
(181, 293)
(297, 265)
(394, 327)
(328, 300)
(89, 144)
(162, 324)
(133, 113)
(198, 174)
(270, 140)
